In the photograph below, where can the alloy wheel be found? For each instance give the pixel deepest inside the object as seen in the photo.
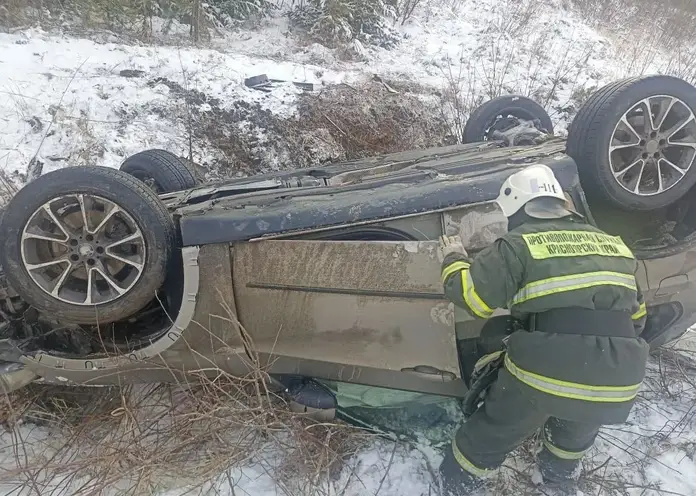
(653, 145)
(83, 249)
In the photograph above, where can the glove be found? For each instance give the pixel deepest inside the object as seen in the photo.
(450, 244)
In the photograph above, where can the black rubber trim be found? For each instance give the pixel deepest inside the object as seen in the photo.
(356, 292)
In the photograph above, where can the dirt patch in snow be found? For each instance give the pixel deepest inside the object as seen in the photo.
(373, 118)
(339, 122)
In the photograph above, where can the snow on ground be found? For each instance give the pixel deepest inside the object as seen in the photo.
(520, 46)
(653, 454)
(64, 102)
(70, 94)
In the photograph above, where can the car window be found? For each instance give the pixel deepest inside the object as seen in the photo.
(413, 415)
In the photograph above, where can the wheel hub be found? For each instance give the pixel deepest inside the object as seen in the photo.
(86, 250)
(653, 145)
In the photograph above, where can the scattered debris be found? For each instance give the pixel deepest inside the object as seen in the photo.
(34, 169)
(263, 83)
(131, 73)
(257, 82)
(384, 83)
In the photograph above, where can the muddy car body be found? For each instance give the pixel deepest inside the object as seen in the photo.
(332, 273)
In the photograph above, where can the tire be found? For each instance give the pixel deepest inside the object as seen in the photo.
(592, 131)
(481, 119)
(136, 202)
(165, 171)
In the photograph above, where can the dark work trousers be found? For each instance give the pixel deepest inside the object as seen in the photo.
(506, 419)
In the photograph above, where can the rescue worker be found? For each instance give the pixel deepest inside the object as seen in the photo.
(579, 361)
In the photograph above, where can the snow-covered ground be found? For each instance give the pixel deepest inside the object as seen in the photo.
(64, 101)
(653, 454)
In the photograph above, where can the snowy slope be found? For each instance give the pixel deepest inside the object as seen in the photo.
(63, 100)
(68, 96)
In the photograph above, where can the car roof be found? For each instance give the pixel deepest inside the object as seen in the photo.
(423, 183)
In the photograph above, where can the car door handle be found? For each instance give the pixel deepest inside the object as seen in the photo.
(672, 284)
(431, 373)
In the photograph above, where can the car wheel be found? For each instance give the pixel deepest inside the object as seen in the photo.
(634, 142)
(86, 245)
(494, 113)
(163, 171)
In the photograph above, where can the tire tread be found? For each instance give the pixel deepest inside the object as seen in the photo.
(473, 128)
(104, 182)
(172, 173)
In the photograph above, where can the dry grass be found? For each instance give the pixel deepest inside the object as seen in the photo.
(193, 433)
(372, 118)
(337, 123)
(8, 188)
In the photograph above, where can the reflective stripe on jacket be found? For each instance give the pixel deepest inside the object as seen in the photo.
(543, 265)
(555, 264)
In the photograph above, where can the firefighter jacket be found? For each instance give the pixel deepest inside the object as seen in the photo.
(581, 356)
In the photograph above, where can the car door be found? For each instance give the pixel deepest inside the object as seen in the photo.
(369, 312)
(670, 283)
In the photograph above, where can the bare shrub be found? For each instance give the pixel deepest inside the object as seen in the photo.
(651, 36)
(551, 69)
(604, 11)
(193, 432)
(405, 8)
(13, 13)
(517, 18)
(369, 119)
(459, 97)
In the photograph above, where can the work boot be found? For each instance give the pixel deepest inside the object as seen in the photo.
(456, 481)
(557, 473)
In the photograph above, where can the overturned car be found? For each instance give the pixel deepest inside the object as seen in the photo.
(331, 273)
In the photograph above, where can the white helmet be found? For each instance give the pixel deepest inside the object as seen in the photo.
(535, 181)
